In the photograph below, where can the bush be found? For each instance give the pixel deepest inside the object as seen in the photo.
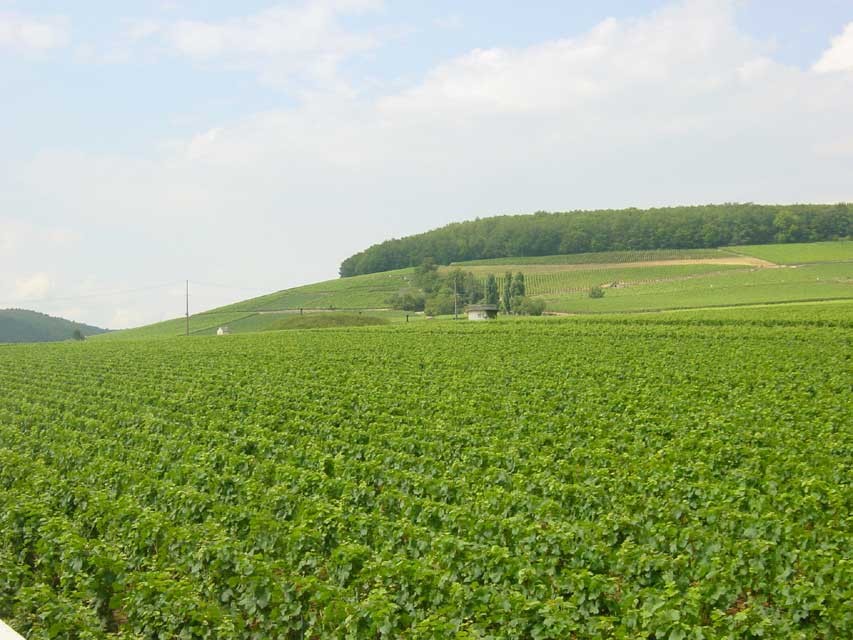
(528, 306)
(440, 305)
(407, 300)
(596, 292)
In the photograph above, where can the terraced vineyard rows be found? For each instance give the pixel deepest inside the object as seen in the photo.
(515, 480)
(559, 282)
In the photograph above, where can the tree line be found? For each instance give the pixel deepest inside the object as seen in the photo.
(544, 233)
(437, 295)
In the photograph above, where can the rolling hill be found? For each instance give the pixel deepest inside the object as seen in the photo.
(634, 281)
(20, 325)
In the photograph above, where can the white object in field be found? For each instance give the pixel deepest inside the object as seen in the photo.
(6, 633)
(223, 331)
(482, 311)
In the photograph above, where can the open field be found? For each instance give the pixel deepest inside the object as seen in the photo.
(532, 479)
(811, 282)
(800, 253)
(542, 280)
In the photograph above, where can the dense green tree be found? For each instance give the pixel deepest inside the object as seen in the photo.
(519, 289)
(507, 292)
(491, 290)
(408, 300)
(472, 289)
(440, 304)
(426, 275)
(609, 230)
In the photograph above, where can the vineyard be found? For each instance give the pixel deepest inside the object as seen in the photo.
(559, 282)
(530, 479)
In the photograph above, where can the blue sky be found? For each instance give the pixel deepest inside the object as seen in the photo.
(257, 144)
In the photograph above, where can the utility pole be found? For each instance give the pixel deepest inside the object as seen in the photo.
(188, 308)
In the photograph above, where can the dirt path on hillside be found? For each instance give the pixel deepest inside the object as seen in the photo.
(743, 261)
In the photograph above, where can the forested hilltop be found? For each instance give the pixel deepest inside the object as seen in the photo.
(543, 233)
(20, 325)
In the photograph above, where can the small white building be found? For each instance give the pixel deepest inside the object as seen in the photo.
(223, 331)
(482, 312)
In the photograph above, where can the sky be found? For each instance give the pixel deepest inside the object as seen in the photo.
(250, 147)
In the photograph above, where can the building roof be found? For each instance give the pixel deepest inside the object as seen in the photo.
(482, 307)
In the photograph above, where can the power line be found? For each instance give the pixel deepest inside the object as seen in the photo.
(228, 286)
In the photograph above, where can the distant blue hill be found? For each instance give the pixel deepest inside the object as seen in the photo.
(20, 325)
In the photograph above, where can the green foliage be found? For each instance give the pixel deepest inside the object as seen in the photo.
(506, 292)
(426, 276)
(688, 479)
(548, 234)
(441, 304)
(325, 320)
(604, 257)
(596, 292)
(19, 325)
(528, 306)
(491, 295)
(517, 288)
(407, 300)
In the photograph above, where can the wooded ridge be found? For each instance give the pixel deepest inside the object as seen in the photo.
(544, 233)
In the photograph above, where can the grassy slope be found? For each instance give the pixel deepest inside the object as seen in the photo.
(541, 283)
(359, 292)
(801, 253)
(652, 287)
(199, 324)
(813, 282)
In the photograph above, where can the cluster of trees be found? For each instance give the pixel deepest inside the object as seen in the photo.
(514, 298)
(545, 233)
(437, 294)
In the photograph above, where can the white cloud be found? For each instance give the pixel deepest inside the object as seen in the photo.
(839, 57)
(30, 34)
(285, 40)
(690, 47)
(35, 286)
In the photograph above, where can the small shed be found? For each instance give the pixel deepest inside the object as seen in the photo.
(223, 331)
(482, 312)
